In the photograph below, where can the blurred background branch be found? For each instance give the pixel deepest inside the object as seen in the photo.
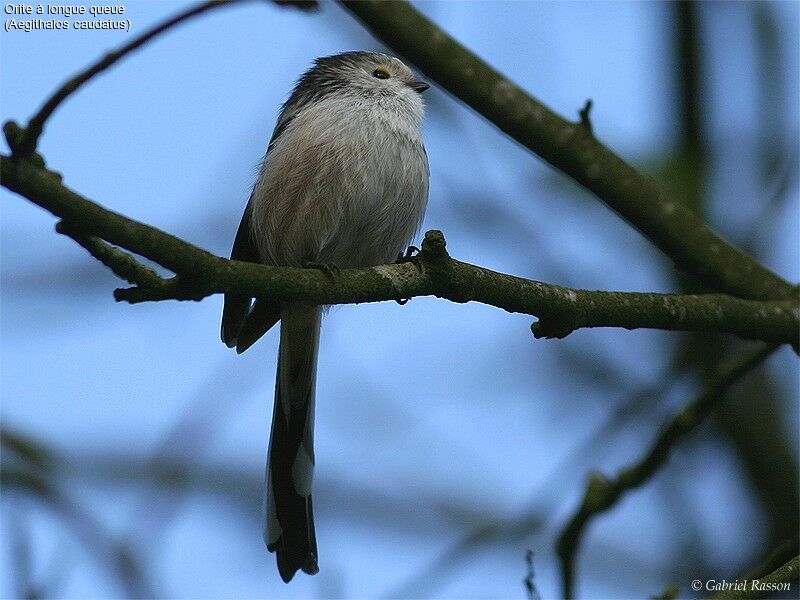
(777, 581)
(602, 493)
(29, 468)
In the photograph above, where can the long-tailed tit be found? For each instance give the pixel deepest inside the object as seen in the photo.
(344, 183)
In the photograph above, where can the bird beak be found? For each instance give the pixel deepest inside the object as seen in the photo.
(418, 86)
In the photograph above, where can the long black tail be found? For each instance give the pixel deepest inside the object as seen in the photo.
(288, 516)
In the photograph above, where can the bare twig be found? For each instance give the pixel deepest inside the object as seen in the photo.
(529, 581)
(585, 115)
(26, 143)
(37, 479)
(602, 493)
(121, 263)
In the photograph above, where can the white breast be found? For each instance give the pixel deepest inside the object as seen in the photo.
(345, 184)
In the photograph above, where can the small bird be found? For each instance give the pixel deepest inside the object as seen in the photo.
(344, 183)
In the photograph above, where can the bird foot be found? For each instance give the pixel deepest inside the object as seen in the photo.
(328, 269)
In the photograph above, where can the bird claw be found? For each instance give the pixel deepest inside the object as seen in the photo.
(328, 269)
(411, 254)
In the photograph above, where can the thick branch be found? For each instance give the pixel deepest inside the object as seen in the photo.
(560, 310)
(571, 148)
(602, 493)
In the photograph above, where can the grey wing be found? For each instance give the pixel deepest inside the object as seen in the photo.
(243, 325)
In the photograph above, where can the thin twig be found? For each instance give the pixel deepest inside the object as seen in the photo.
(41, 484)
(544, 500)
(602, 493)
(26, 143)
(585, 116)
(530, 578)
(121, 263)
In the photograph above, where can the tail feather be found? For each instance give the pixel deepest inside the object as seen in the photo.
(288, 514)
(264, 314)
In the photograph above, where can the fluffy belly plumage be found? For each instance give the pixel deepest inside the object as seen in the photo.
(341, 197)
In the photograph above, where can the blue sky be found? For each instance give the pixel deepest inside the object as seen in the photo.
(432, 418)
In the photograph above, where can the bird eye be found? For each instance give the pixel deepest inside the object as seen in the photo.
(380, 73)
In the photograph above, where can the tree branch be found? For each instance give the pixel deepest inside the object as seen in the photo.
(433, 272)
(31, 468)
(25, 143)
(572, 149)
(121, 263)
(602, 493)
(779, 580)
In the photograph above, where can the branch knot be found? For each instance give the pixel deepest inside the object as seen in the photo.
(586, 121)
(434, 246)
(556, 324)
(17, 138)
